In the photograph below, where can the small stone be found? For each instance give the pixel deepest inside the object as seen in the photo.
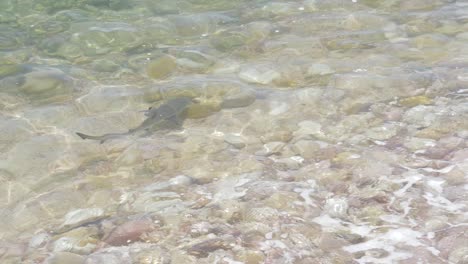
(235, 141)
(337, 207)
(306, 148)
(80, 217)
(384, 132)
(202, 249)
(291, 163)
(81, 240)
(129, 232)
(180, 180)
(436, 152)
(420, 116)
(271, 148)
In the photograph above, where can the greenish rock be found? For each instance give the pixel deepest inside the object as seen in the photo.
(45, 86)
(162, 67)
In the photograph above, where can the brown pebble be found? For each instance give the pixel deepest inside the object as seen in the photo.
(129, 232)
(202, 249)
(436, 152)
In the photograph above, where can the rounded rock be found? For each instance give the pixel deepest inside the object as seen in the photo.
(162, 67)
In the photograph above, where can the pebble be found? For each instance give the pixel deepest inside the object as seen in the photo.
(384, 132)
(161, 67)
(306, 148)
(271, 148)
(129, 232)
(337, 207)
(80, 217)
(234, 140)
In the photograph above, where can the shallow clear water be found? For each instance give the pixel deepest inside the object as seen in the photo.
(317, 131)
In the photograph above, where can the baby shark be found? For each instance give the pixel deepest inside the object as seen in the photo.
(170, 114)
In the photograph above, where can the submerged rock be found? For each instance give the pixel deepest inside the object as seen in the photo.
(161, 68)
(129, 232)
(80, 217)
(41, 86)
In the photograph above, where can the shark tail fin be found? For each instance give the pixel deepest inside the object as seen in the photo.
(82, 136)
